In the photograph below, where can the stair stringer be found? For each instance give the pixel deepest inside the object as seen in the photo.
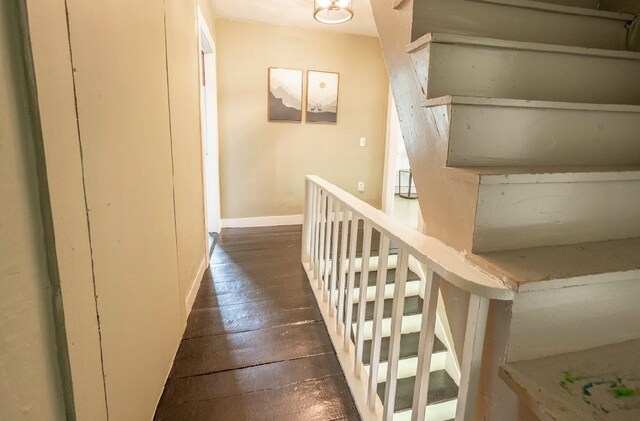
(448, 205)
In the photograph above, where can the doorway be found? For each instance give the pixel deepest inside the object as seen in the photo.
(209, 123)
(399, 193)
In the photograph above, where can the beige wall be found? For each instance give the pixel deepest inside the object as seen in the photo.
(263, 164)
(30, 387)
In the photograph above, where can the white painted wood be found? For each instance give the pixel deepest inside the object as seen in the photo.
(262, 221)
(548, 268)
(350, 280)
(563, 9)
(470, 66)
(323, 228)
(343, 264)
(450, 264)
(307, 225)
(314, 227)
(324, 282)
(360, 328)
(412, 290)
(543, 387)
(425, 349)
(407, 366)
(472, 357)
(397, 313)
(507, 132)
(548, 209)
(195, 286)
(511, 21)
(378, 314)
(334, 256)
(410, 324)
(552, 322)
(357, 384)
(442, 411)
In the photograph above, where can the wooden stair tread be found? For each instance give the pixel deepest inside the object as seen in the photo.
(568, 10)
(391, 277)
(594, 384)
(525, 103)
(412, 305)
(540, 268)
(408, 347)
(518, 45)
(442, 388)
(550, 174)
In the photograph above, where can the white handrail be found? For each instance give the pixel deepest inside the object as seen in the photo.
(447, 262)
(326, 239)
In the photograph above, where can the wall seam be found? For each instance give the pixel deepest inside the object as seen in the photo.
(181, 301)
(86, 203)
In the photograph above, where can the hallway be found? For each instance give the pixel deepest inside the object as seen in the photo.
(255, 346)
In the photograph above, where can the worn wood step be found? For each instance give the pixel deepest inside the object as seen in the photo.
(586, 4)
(549, 206)
(487, 67)
(514, 132)
(412, 305)
(442, 389)
(408, 347)
(521, 21)
(391, 277)
(563, 9)
(593, 384)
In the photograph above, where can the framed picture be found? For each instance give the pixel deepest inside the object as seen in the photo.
(285, 94)
(322, 97)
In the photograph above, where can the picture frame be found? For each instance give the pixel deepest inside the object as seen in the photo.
(285, 88)
(323, 94)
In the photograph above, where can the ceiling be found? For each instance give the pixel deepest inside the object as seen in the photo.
(296, 13)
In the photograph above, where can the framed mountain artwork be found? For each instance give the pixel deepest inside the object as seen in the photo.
(322, 97)
(285, 94)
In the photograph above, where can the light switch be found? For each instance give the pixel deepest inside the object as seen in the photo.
(361, 186)
(363, 141)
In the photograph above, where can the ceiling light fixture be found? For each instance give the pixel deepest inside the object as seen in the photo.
(332, 11)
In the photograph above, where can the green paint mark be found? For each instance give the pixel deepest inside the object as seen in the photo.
(622, 392)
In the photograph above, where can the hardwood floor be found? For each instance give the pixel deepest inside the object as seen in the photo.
(255, 346)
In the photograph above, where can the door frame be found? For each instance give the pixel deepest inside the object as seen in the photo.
(209, 127)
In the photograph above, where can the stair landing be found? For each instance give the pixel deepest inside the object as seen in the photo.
(596, 384)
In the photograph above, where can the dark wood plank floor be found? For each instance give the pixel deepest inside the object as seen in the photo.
(255, 346)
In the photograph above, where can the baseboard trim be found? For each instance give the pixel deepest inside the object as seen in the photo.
(262, 221)
(195, 286)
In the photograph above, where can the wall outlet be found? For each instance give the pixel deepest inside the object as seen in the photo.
(363, 141)
(361, 186)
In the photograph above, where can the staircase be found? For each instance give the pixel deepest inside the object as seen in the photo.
(522, 121)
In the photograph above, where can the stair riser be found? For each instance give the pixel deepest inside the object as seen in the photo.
(410, 324)
(513, 216)
(412, 289)
(439, 412)
(518, 136)
(409, 366)
(515, 23)
(478, 70)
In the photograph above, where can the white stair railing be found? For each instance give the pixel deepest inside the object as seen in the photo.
(331, 215)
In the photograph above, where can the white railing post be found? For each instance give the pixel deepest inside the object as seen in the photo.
(362, 299)
(307, 211)
(322, 218)
(348, 311)
(378, 313)
(472, 357)
(343, 267)
(327, 250)
(397, 313)
(425, 345)
(334, 256)
(314, 227)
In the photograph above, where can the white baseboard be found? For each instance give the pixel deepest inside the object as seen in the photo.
(262, 221)
(195, 286)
